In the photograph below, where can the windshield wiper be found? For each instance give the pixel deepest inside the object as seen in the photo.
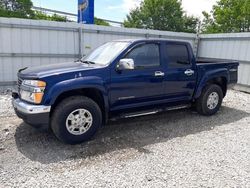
(87, 62)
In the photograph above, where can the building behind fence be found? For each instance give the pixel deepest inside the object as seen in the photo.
(25, 43)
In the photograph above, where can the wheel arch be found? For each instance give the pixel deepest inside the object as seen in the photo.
(218, 80)
(93, 93)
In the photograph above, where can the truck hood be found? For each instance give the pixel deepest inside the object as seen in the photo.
(54, 69)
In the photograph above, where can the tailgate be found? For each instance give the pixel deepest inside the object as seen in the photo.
(233, 73)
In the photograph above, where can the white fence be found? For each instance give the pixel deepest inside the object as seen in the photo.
(25, 43)
(235, 46)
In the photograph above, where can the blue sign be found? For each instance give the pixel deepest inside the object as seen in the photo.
(86, 11)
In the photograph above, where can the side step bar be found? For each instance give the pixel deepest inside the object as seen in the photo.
(140, 114)
(145, 113)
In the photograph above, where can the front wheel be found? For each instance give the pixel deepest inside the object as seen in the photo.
(76, 119)
(210, 100)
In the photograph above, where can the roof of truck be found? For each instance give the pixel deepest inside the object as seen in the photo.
(150, 39)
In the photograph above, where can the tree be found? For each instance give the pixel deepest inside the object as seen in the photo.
(190, 24)
(43, 16)
(99, 21)
(16, 8)
(161, 15)
(208, 25)
(228, 16)
(23, 9)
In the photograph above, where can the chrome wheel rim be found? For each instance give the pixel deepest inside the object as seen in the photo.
(79, 121)
(213, 100)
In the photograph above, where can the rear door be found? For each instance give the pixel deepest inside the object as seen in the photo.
(180, 73)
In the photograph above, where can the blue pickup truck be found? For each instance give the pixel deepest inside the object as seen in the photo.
(120, 79)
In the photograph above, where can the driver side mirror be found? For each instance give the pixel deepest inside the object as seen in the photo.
(125, 64)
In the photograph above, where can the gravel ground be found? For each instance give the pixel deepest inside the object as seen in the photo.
(6, 109)
(172, 149)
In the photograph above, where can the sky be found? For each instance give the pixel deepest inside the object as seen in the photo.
(117, 10)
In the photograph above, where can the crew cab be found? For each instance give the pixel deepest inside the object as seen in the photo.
(120, 79)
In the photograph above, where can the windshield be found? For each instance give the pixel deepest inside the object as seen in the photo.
(106, 53)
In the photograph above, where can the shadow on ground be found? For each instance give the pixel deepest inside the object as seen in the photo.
(133, 133)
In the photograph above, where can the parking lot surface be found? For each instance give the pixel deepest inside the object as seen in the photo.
(171, 149)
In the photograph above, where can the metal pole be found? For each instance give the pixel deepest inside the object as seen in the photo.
(80, 42)
(80, 15)
(80, 35)
(197, 40)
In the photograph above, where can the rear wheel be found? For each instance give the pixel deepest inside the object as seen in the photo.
(76, 119)
(210, 100)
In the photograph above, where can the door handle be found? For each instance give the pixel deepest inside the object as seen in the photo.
(159, 73)
(189, 72)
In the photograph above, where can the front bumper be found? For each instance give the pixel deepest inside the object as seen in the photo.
(35, 115)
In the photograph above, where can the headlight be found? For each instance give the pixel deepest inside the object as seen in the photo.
(32, 91)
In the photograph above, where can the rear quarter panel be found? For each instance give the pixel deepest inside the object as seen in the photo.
(209, 71)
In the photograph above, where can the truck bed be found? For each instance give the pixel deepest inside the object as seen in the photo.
(213, 61)
(205, 65)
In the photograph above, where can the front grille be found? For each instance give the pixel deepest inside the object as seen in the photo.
(19, 83)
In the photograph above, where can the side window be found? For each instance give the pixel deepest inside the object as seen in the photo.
(146, 55)
(177, 55)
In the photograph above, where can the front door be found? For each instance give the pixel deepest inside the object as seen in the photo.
(141, 86)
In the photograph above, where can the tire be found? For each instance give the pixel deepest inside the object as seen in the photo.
(68, 119)
(207, 107)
